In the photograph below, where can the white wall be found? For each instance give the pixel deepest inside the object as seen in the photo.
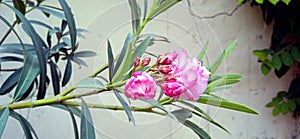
(110, 19)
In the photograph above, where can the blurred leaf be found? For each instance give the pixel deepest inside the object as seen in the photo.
(42, 24)
(87, 130)
(67, 73)
(220, 82)
(27, 128)
(10, 82)
(20, 6)
(276, 110)
(292, 104)
(39, 44)
(55, 78)
(125, 106)
(123, 52)
(90, 83)
(182, 113)
(203, 51)
(262, 54)
(135, 15)
(85, 54)
(161, 107)
(265, 69)
(12, 28)
(276, 62)
(4, 114)
(52, 12)
(29, 72)
(199, 131)
(158, 9)
(10, 58)
(286, 1)
(275, 101)
(199, 112)
(295, 53)
(284, 108)
(75, 127)
(154, 37)
(273, 1)
(71, 22)
(79, 61)
(283, 70)
(259, 1)
(215, 65)
(110, 61)
(219, 102)
(79, 31)
(286, 58)
(145, 9)
(73, 109)
(141, 49)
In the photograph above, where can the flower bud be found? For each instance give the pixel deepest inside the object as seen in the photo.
(146, 61)
(166, 69)
(167, 58)
(137, 62)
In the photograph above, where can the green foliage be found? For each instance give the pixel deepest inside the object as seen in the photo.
(262, 1)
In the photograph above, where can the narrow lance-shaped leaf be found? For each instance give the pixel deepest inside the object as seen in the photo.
(29, 72)
(141, 49)
(14, 31)
(27, 127)
(50, 11)
(203, 51)
(165, 5)
(219, 102)
(110, 61)
(75, 127)
(135, 15)
(55, 77)
(90, 83)
(19, 4)
(39, 44)
(4, 113)
(67, 73)
(123, 52)
(125, 106)
(70, 21)
(158, 105)
(10, 82)
(199, 131)
(86, 128)
(215, 65)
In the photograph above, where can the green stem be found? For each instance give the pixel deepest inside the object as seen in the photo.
(69, 90)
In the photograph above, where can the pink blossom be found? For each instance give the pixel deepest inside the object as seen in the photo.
(173, 88)
(140, 85)
(193, 76)
(167, 58)
(146, 61)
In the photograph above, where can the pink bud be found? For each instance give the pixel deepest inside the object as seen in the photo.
(146, 61)
(166, 69)
(137, 62)
(167, 58)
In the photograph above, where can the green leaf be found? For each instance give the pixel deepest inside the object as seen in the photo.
(281, 94)
(274, 1)
(274, 102)
(29, 72)
(123, 52)
(265, 69)
(110, 61)
(90, 83)
(4, 114)
(203, 51)
(27, 127)
(295, 53)
(87, 130)
(215, 65)
(199, 112)
(73, 109)
(260, 1)
(287, 58)
(75, 127)
(219, 102)
(135, 15)
(158, 105)
(276, 110)
(67, 73)
(141, 49)
(292, 104)
(39, 44)
(10, 82)
(182, 113)
(70, 22)
(286, 1)
(125, 106)
(240, 2)
(284, 108)
(276, 62)
(199, 131)
(158, 9)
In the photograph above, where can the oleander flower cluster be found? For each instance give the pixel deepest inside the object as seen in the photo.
(175, 73)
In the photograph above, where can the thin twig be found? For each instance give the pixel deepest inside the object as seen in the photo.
(213, 16)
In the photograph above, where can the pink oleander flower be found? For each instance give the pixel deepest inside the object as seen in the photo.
(167, 58)
(193, 76)
(173, 88)
(140, 85)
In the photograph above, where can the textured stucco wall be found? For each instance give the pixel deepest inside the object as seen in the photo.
(110, 19)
